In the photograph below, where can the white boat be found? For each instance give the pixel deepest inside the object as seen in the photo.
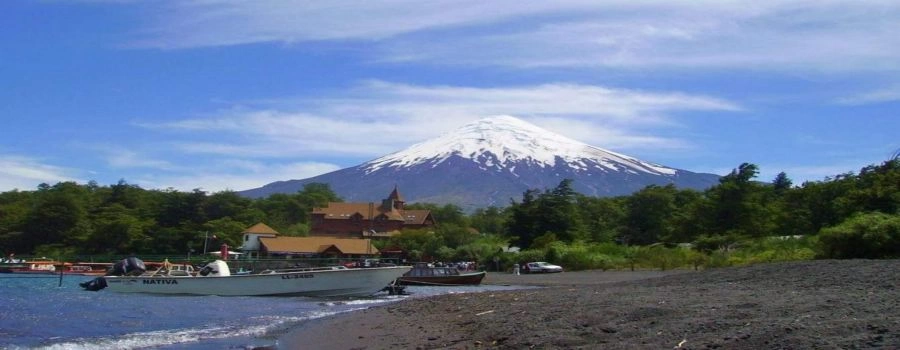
(216, 279)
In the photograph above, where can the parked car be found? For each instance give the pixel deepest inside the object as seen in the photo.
(542, 267)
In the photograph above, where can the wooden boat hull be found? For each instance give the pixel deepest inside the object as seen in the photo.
(323, 283)
(12, 267)
(452, 280)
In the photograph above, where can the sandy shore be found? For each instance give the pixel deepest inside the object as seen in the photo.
(804, 305)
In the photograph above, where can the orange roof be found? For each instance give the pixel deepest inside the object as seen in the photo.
(340, 210)
(415, 217)
(335, 211)
(312, 245)
(261, 228)
(393, 214)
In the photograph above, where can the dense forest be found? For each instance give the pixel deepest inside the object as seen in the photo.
(846, 216)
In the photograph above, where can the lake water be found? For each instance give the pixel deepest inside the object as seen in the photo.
(38, 313)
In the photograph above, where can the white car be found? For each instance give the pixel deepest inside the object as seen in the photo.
(542, 267)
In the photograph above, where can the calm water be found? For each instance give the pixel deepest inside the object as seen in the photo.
(36, 313)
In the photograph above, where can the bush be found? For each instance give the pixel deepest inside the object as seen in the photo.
(870, 235)
(529, 255)
(606, 262)
(710, 243)
(775, 249)
(718, 258)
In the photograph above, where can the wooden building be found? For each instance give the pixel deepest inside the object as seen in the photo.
(368, 219)
(260, 240)
(318, 247)
(252, 235)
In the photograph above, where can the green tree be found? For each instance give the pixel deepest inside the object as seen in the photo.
(225, 204)
(781, 183)
(227, 231)
(686, 223)
(523, 221)
(182, 209)
(559, 213)
(454, 236)
(59, 216)
(490, 220)
(604, 218)
(648, 214)
(15, 207)
(117, 230)
(286, 210)
(737, 204)
(424, 241)
(551, 212)
(823, 203)
(877, 188)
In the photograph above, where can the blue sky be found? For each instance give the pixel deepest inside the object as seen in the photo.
(233, 95)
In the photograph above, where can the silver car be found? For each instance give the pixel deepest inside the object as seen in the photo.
(542, 267)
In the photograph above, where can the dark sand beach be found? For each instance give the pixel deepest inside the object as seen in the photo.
(830, 304)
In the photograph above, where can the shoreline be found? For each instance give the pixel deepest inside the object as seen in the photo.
(811, 304)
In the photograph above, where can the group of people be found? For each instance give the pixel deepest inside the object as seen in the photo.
(11, 259)
(462, 265)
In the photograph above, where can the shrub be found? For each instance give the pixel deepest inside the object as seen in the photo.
(718, 258)
(870, 235)
(606, 262)
(710, 243)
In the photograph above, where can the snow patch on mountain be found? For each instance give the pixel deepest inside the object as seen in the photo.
(502, 143)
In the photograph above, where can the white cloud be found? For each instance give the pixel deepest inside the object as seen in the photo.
(235, 174)
(380, 117)
(890, 94)
(118, 157)
(785, 35)
(792, 37)
(202, 23)
(25, 173)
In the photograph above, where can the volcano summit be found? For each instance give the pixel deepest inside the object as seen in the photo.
(490, 162)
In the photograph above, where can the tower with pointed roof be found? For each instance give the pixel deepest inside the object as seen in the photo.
(394, 201)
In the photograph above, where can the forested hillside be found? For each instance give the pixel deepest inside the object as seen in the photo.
(849, 215)
(67, 218)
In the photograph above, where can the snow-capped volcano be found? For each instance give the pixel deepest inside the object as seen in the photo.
(500, 143)
(491, 162)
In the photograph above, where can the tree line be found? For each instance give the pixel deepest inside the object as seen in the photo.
(850, 215)
(68, 219)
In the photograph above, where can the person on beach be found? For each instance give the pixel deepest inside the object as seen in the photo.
(516, 269)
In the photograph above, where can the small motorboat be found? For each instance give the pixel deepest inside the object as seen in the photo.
(423, 274)
(41, 266)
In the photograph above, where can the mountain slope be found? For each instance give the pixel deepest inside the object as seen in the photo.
(490, 162)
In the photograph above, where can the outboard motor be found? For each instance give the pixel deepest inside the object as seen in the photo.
(128, 267)
(94, 284)
(216, 268)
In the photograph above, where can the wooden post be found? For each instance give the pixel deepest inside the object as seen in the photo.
(61, 269)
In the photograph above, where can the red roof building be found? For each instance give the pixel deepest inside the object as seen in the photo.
(368, 219)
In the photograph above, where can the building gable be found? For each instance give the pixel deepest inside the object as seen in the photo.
(261, 228)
